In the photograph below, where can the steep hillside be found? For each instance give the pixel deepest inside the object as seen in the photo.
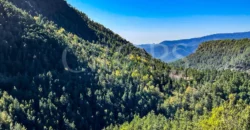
(169, 51)
(97, 85)
(53, 76)
(70, 19)
(221, 55)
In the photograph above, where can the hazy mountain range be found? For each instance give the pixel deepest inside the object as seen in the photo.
(169, 51)
(59, 70)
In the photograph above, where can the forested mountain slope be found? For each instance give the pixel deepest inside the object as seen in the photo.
(107, 90)
(221, 55)
(53, 76)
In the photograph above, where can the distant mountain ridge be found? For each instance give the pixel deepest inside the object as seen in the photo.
(173, 50)
(59, 70)
(221, 36)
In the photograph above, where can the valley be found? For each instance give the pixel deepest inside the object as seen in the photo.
(104, 82)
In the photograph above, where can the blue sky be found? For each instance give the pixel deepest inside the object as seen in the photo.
(153, 21)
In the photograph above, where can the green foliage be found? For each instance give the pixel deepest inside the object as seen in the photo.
(117, 80)
(221, 55)
(32, 71)
(149, 122)
(229, 116)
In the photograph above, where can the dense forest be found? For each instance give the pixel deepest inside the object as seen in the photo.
(220, 55)
(60, 70)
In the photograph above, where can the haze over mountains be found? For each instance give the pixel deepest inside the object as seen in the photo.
(169, 51)
(59, 70)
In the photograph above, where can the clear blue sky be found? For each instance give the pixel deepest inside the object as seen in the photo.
(152, 21)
